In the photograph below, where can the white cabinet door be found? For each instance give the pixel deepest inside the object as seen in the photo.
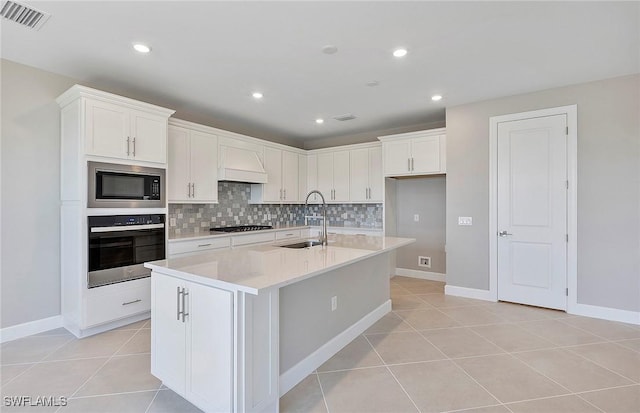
(107, 130)
(325, 175)
(290, 176)
(376, 179)
(302, 177)
(341, 176)
(312, 178)
(272, 190)
(168, 335)
(178, 167)
(359, 174)
(204, 167)
(397, 157)
(148, 137)
(425, 154)
(209, 380)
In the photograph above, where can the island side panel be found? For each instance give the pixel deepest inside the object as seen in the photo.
(306, 320)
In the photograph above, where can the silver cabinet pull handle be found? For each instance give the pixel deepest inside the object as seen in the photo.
(128, 145)
(178, 293)
(132, 302)
(203, 245)
(503, 234)
(285, 193)
(412, 168)
(281, 194)
(193, 189)
(409, 164)
(185, 293)
(188, 190)
(134, 147)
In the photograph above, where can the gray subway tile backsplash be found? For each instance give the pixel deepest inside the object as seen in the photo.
(234, 209)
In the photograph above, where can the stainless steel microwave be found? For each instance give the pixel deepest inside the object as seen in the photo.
(125, 186)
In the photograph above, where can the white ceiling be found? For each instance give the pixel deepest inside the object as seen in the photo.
(208, 57)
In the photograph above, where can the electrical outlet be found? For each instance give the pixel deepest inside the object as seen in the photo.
(416, 217)
(172, 222)
(424, 262)
(334, 303)
(465, 221)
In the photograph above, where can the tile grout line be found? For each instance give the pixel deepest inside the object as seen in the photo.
(393, 375)
(324, 398)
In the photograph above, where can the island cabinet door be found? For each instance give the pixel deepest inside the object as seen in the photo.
(209, 348)
(168, 335)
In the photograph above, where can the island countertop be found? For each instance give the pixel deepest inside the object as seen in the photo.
(258, 267)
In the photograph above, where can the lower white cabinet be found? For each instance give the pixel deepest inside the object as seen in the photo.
(192, 341)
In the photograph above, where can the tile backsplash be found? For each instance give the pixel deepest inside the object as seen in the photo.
(234, 209)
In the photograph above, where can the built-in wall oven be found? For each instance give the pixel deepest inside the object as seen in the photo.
(120, 244)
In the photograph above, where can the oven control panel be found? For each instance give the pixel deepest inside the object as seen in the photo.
(122, 220)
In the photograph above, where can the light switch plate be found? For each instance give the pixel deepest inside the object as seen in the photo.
(416, 217)
(465, 221)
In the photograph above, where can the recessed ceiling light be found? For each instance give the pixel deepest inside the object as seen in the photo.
(400, 52)
(436, 98)
(141, 48)
(372, 83)
(329, 49)
(319, 121)
(257, 95)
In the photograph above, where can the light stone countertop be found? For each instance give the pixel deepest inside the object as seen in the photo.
(257, 267)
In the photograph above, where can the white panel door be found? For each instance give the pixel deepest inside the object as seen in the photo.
(178, 179)
(376, 180)
(341, 176)
(325, 175)
(425, 155)
(210, 347)
(290, 176)
(148, 137)
(532, 211)
(168, 339)
(273, 167)
(204, 167)
(359, 167)
(396, 158)
(107, 130)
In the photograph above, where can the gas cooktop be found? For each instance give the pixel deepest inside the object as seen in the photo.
(241, 228)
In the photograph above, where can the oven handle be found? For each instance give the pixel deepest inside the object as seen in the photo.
(126, 228)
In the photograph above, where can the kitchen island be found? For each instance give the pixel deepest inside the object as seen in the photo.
(233, 330)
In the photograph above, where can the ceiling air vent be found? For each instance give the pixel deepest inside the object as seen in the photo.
(346, 116)
(24, 15)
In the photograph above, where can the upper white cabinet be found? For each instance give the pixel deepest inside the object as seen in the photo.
(192, 164)
(312, 178)
(415, 153)
(116, 128)
(283, 172)
(333, 175)
(366, 175)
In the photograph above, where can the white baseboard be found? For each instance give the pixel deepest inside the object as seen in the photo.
(605, 313)
(303, 368)
(468, 293)
(82, 333)
(30, 328)
(424, 275)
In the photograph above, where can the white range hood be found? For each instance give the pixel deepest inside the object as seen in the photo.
(241, 165)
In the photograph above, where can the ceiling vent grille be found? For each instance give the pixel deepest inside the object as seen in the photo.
(346, 116)
(24, 15)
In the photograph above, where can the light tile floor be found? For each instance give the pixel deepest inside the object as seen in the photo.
(432, 353)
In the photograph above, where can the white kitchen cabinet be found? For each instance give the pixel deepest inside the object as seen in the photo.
(415, 153)
(192, 165)
(302, 177)
(312, 178)
(116, 130)
(191, 246)
(366, 175)
(282, 169)
(333, 176)
(189, 355)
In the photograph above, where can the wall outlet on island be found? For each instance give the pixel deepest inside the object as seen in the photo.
(465, 221)
(334, 303)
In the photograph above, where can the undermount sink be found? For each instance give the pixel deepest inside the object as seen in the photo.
(303, 244)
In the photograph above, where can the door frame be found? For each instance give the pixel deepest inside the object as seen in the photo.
(571, 112)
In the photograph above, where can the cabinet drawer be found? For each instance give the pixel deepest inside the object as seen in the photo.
(238, 240)
(121, 303)
(197, 245)
(288, 234)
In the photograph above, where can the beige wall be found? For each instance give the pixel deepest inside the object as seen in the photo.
(425, 196)
(608, 187)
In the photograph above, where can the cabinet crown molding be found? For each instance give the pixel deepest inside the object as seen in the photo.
(408, 135)
(78, 91)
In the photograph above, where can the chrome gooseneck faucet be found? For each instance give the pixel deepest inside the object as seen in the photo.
(323, 238)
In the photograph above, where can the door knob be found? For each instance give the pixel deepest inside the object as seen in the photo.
(503, 233)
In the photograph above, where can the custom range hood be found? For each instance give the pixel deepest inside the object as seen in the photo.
(241, 165)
